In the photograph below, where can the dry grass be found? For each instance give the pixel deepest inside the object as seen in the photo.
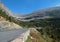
(36, 37)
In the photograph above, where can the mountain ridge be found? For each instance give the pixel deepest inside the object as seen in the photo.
(45, 13)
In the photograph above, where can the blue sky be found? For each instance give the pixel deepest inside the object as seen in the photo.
(28, 6)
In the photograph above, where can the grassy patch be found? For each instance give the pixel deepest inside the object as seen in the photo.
(35, 36)
(29, 39)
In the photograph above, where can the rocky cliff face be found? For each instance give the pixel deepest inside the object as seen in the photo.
(8, 25)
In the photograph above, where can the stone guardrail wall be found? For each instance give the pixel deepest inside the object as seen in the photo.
(23, 37)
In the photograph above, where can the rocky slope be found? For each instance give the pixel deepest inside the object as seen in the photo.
(8, 25)
(5, 9)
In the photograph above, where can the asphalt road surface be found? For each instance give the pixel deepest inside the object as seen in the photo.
(8, 36)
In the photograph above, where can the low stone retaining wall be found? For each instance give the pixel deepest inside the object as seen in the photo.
(23, 37)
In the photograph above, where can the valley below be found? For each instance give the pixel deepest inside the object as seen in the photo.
(40, 26)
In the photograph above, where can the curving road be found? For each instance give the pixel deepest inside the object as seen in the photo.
(8, 36)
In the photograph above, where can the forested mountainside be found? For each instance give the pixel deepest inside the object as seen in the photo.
(51, 32)
(50, 16)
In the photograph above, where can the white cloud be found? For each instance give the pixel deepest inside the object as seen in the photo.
(58, 5)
